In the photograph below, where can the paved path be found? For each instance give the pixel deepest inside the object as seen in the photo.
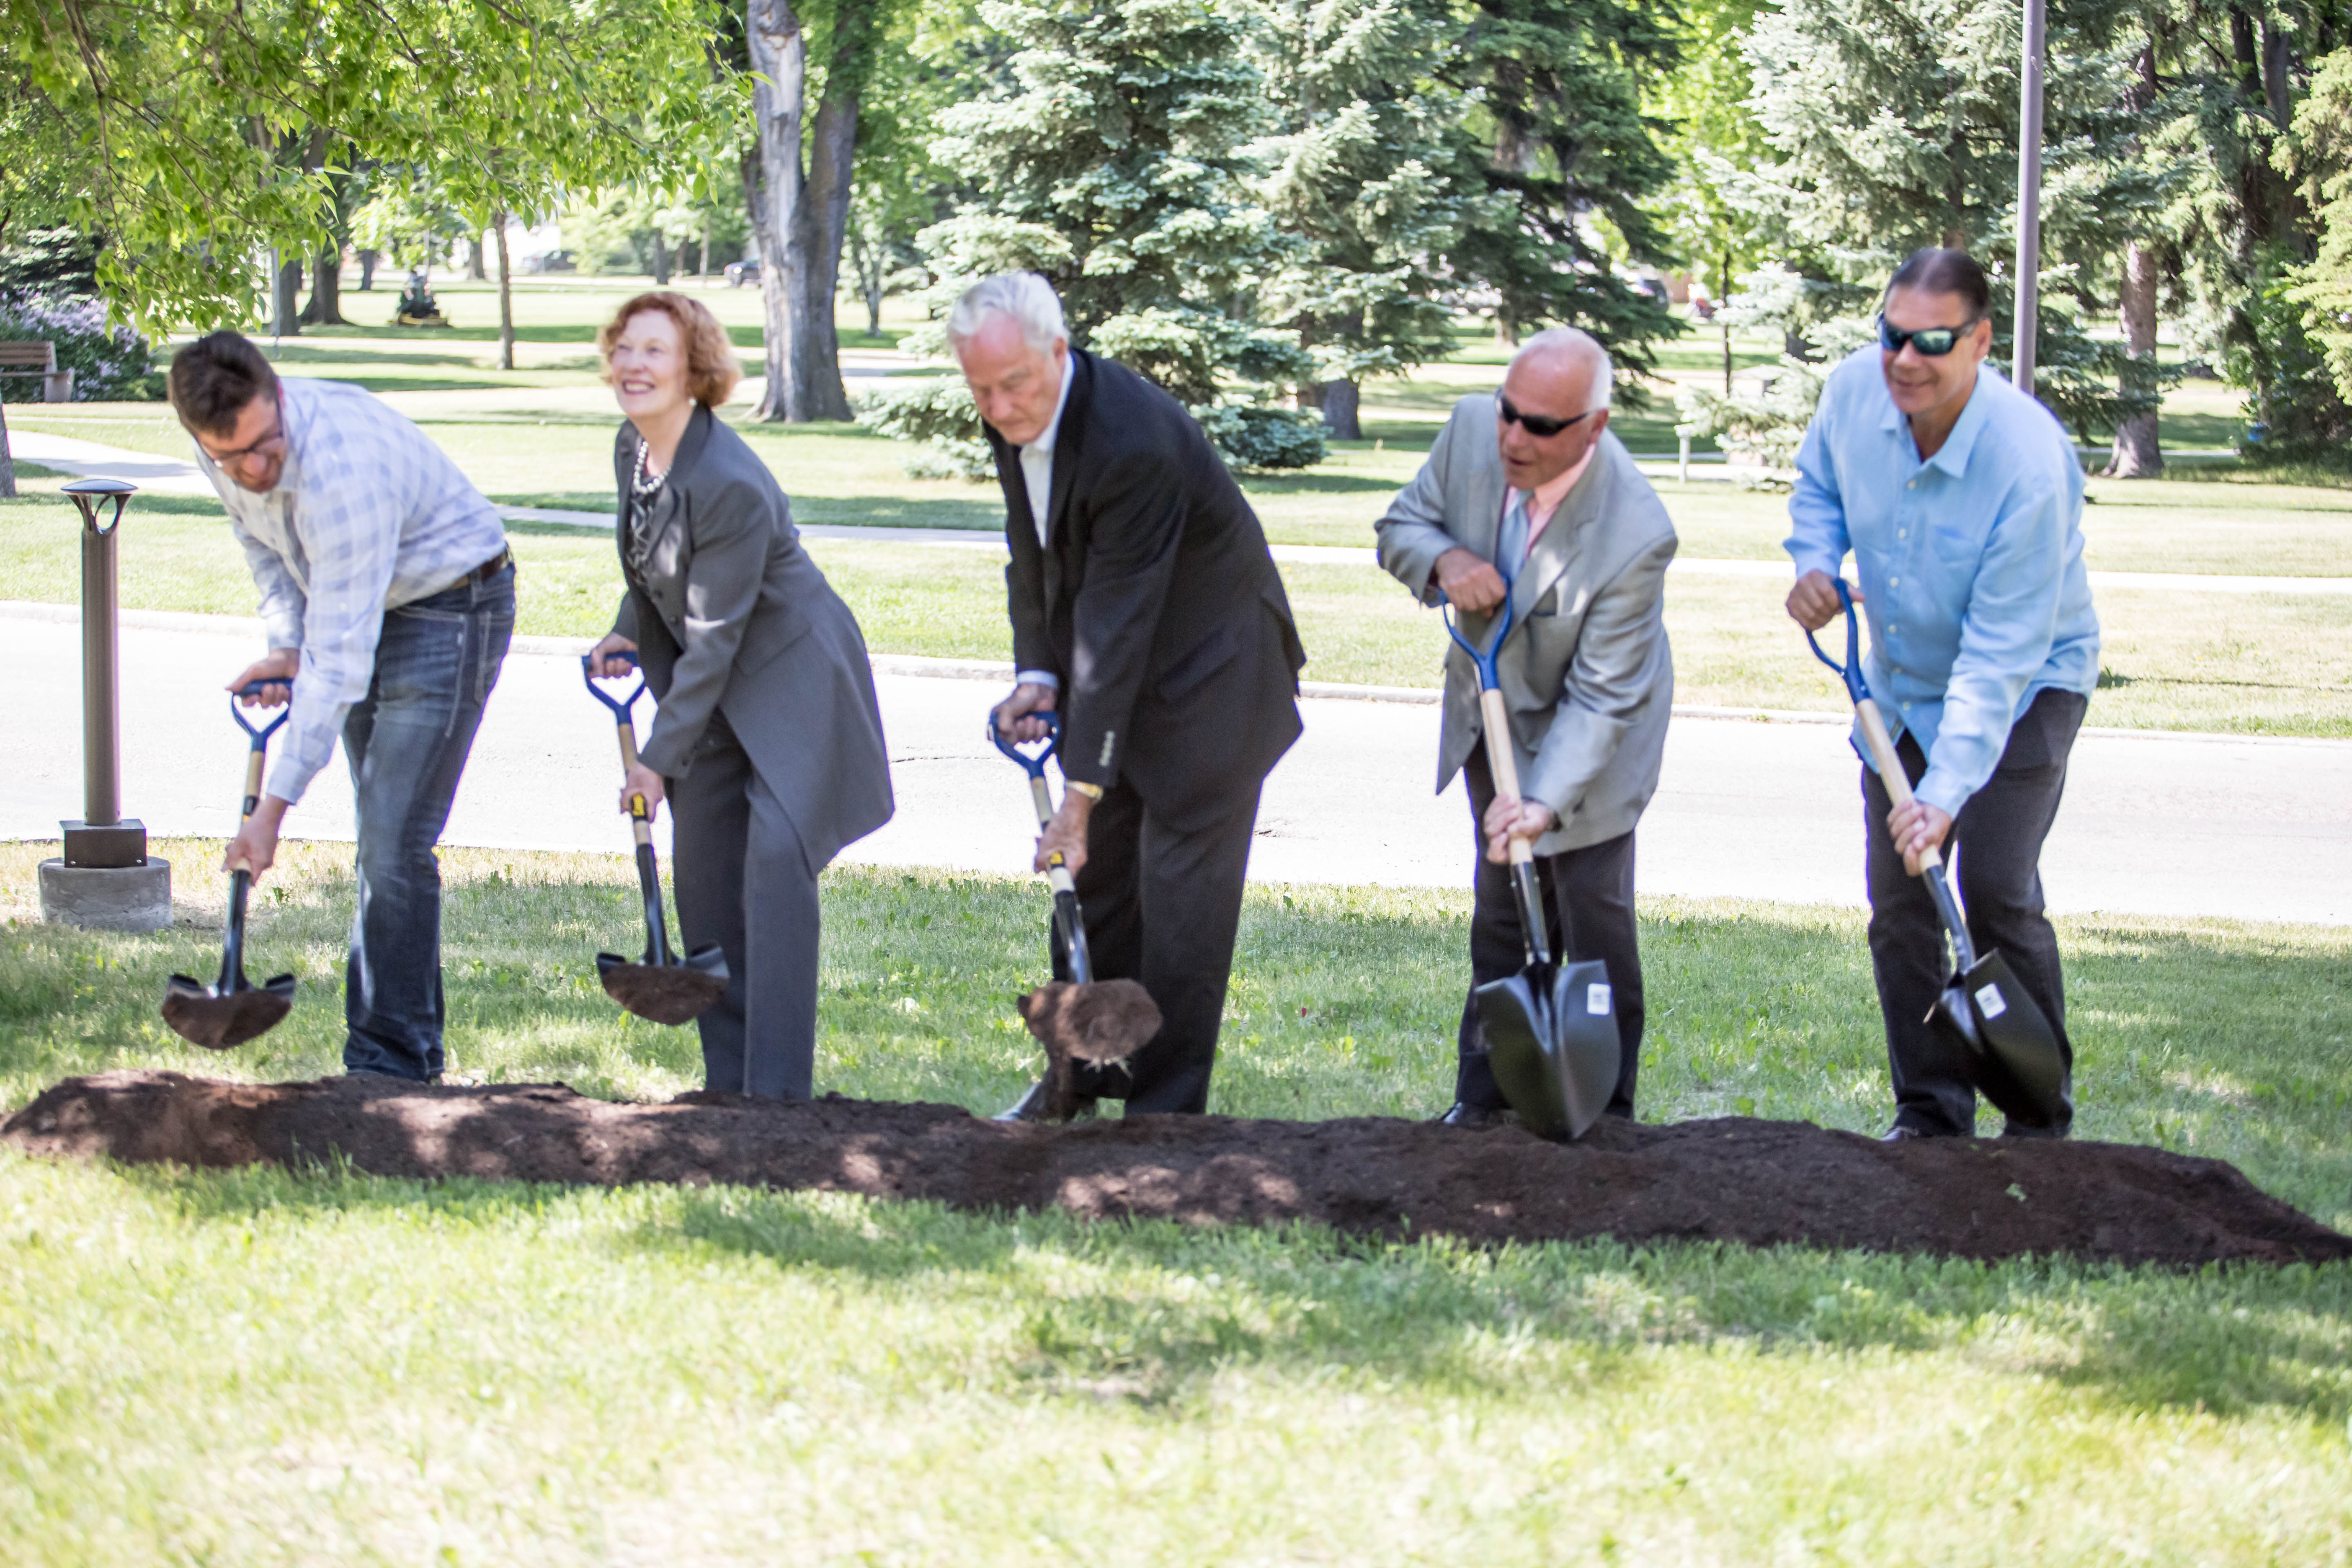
(2153, 822)
(69, 454)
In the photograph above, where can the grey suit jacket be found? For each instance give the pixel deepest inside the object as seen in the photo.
(733, 617)
(1586, 673)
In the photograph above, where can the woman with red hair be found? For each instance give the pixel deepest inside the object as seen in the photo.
(768, 743)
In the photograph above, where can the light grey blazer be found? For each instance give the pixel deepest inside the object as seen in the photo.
(1586, 673)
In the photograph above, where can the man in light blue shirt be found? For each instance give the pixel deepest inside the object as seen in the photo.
(1961, 499)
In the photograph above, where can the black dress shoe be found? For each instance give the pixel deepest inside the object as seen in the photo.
(1037, 1105)
(1477, 1117)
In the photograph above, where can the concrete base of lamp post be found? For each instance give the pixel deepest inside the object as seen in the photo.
(108, 898)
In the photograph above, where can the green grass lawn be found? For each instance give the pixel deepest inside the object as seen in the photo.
(261, 1368)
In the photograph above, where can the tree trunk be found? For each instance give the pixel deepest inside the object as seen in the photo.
(474, 256)
(874, 305)
(1341, 400)
(771, 176)
(661, 259)
(326, 305)
(8, 462)
(2137, 454)
(285, 319)
(1721, 301)
(506, 296)
(367, 269)
(703, 262)
(820, 224)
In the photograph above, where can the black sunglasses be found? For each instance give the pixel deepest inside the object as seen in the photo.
(1933, 342)
(1536, 425)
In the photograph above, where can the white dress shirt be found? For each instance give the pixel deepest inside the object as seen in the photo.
(367, 515)
(1037, 479)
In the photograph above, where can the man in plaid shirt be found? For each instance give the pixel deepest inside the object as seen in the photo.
(387, 589)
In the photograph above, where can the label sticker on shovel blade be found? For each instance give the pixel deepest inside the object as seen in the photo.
(1596, 998)
(1989, 998)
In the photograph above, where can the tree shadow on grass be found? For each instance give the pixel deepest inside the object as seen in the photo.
(1152, 1311)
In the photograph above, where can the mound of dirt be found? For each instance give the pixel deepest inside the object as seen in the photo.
(1738, 1180)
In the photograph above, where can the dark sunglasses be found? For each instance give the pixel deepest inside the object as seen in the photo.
(1933, 342)
(1536, 425)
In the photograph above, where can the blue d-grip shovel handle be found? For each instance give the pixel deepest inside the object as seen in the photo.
(254, 689)
(1489, 679)
(1032, 762)
(619, 705)
(1851, 670)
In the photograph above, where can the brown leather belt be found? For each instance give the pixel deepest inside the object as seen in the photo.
(492, 567)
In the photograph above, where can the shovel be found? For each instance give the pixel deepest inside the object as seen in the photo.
(661, 988)
(1997, 1026)
(1086, 1020)
(233, 1010)
(1551, 1029)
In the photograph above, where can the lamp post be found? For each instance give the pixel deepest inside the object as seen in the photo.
(105, 878)
(2028, 321)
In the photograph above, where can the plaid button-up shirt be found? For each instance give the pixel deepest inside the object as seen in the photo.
(368, 515)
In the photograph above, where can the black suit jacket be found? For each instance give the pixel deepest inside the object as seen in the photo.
(1155, 600)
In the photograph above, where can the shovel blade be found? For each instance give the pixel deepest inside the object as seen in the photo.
(666, 992)
(2019, 1068)
(205, 1016)
(1552, 1042)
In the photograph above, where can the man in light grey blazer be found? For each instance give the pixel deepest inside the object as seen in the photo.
(1526, 492)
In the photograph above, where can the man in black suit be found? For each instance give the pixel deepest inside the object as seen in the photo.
(1148, 616)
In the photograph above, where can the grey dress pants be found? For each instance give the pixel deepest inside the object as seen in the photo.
(744, 882)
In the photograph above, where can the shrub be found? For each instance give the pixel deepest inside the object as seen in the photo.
(109, 363)
(937, 415)
(1251, 437)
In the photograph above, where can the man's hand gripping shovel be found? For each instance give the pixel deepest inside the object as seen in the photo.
(1983, 1010)
(1551, 1029)
(1083, 1020)
(233, 1009)
(662, 987)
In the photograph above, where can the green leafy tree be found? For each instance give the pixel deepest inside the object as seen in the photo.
(1569, 160)
(1117, 164)
(1717, 143)
(1361, 173)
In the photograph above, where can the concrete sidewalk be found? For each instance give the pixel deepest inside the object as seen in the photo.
(70, 456)
(2154, 823)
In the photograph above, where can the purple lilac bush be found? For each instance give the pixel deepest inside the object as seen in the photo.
(109, 363)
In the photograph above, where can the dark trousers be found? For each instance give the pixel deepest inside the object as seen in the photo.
(744, 882)
(1589, 908)
(406, 742)
(1163, 906)
(1995, 853)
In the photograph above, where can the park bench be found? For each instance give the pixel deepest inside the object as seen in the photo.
(38, 359)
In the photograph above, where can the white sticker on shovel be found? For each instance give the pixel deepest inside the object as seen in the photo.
(1596, 998)
(1989, 998)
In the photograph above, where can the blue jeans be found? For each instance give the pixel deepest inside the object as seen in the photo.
(406, 742)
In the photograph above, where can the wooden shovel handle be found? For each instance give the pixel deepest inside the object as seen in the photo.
(1890, 769)
(1504, 760)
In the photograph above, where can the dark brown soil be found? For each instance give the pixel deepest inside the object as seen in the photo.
(1746, 1180)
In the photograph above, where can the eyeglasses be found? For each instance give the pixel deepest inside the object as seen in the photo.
(1536, 425)
(1934, 342)
(277, 434)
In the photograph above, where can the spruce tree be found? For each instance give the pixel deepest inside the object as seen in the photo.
(1358, 175)
(1118, 166)
(1568, 159)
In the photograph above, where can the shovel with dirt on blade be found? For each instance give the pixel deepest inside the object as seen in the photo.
(1995, 1024)
(661, 987)
(1551, 1029)
(233, 1010)
(1081, 1022)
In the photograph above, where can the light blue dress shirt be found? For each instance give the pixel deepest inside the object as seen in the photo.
(1971, 562)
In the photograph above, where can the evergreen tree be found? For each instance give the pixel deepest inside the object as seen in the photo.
(1895, 122)
(1119, 167)
(1358, 174)
(2321, 157)
(1568, 158)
